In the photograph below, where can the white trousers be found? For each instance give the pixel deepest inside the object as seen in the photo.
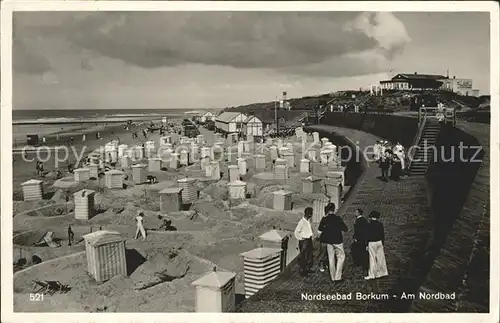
(140, 229)
(336, 258)
(378, 266)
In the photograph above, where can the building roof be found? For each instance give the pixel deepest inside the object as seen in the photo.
(227, 117)
(32, 182)
(84, 192)
(170, 190)
(247, 120)
(273, 235)
(113, 172)
(416, 76)
(83, 169)
(237, 183)
(101, 237)
(206, 112)
(215, 279)
(186, 180)
(282, 192)
(260, 253)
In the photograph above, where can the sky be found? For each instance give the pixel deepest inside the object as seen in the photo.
(207, 60)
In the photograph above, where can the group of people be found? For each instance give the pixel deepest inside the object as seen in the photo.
(391, 160)
(166, 225)
(367, 249)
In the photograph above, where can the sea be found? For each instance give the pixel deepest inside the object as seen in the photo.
(75, 116)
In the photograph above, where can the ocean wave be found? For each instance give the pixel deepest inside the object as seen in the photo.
(134, 115)
(90, 119)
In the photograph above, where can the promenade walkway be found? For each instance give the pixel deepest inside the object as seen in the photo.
(405, 215)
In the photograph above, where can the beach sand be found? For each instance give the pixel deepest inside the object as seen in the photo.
(212, 232)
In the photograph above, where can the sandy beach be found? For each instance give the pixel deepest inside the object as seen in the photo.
(212, 232)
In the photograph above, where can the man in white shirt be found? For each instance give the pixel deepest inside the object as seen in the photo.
(303, 233)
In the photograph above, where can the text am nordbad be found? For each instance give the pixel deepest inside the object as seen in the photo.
(373, 296)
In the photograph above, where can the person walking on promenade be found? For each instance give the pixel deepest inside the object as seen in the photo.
(84, 137)
(376, 238)
(140, 226)
(385, 161)
(303, 233)
(360, 244)
(331, 227)
(396, 167)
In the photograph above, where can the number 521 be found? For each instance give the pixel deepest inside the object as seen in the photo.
(36, 297)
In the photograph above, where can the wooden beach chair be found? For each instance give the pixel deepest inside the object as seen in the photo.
(50, 287)
(48, 240)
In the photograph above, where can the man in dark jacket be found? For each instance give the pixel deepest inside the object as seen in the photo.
(323, 254)
(360, 243)
(331, 227)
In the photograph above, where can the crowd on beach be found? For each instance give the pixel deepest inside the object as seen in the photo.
(134, 128)
(367, 249)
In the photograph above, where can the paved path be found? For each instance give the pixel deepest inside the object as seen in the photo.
(403, 207)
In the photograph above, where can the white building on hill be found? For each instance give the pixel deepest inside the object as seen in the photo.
(230, 122)
(252, 126)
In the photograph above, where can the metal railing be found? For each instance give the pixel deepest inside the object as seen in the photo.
(421, 127)
(449, 114)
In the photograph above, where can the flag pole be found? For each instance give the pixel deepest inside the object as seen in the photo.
(276, 117)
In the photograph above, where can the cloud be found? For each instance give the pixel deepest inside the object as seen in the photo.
(86, 64)
(27, 61)
(296, 42)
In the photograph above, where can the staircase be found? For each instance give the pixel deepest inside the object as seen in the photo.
(426, 137)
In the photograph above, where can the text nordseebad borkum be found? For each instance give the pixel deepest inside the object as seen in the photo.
(373, 296)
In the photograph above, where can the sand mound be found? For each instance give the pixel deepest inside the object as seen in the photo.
(209, 210)
(161, 185)
(60, 196)
(162, 265)
(114, 204)
(218, 190)
(23, 206)
(265, 197)
(243, 212)
(65, 182)
(99, 300)
(52, 209)
(28, 238)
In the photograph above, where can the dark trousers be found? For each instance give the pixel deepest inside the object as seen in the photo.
(323, 256)
(385, 172)
(306, 254)
(360, 254)
(396, 171)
